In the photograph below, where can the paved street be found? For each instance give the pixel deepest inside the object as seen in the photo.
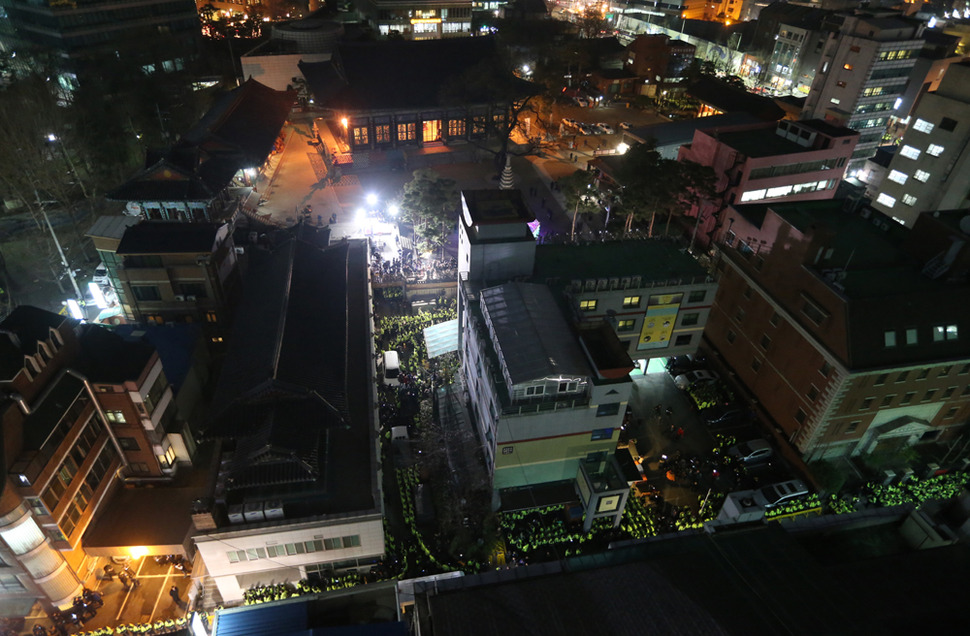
(298, 176)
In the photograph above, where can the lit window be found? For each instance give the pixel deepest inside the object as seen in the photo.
(923, 126)
(886, 200)
(780, 191)
(909, 199)
(911, 337)
(935, 150)
(630, 302)
(898, 177)
(753, 195)
(909, 152)
(922, 175)
(587, 305)
(625, 325)
(944, 332)
(847, 66)
(889, 338)
(836, 100)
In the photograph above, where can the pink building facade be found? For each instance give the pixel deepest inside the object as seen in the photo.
(767, 163)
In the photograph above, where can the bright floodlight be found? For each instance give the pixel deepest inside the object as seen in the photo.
(97, 296)
(371, 199)
(393, 210)
(75, 309)
(621, 148)
(526, 69)
(51, 137)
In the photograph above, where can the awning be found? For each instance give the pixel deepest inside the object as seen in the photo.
(441, 338)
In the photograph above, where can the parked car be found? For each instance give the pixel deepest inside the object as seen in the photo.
(729, 416)
(700, 376)
(777, 494)
(569, 121)
(588, 129)
(606, 129)
(752, 452)
(100, 275)
(625, 125)
(683, 364)
(392, 368)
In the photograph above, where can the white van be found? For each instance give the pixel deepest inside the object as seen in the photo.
(392, 368)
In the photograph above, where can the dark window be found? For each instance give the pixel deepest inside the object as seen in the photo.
(887, 400)
(731, 336)
(690, 319)
(881, 379)
(775, 318)
(951, 412)
(800, 416)
(601, 434)
(813, 393)
(928, 396)
(740, 315)
(193, 289)
(765, 342)
(128, 443)
(923, 374)
(755, 365)
(948, 124)
(682, 341)
(145, 292)
(902, 377)
(825, 369)
(907, 398)
(747, 292)
(697, 296)
(607, 409)
(950, 390)
(867, 403)
(852, 427)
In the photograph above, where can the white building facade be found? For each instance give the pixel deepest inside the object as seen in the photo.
(862, 73)
(931, 168)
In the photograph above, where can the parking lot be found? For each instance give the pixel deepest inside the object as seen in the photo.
(684, 456)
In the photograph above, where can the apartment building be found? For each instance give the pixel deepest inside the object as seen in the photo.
(82, 412)
(931, 168)
(864, 68)
(546, 335)
(419, 19)
(164, 272)
(822, 315)
(778, 161)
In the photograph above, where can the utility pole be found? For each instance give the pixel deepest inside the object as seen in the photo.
(67, 265)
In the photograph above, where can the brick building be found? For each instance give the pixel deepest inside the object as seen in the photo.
(850, 334)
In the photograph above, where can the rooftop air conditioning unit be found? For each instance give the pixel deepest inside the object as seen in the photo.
(240, 250)
(190, 298)
(253, 512)
(235, 514)
(179, 297)
(273, 509)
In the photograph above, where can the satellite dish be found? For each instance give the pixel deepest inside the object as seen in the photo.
(965, 224)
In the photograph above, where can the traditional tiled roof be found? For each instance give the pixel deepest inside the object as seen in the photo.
(294, 386)
(381, 75)
(238, 132)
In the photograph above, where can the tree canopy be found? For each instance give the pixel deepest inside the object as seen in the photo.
(650, 184)
(430, 203)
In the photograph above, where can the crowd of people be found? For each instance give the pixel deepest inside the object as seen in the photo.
(412, 268)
